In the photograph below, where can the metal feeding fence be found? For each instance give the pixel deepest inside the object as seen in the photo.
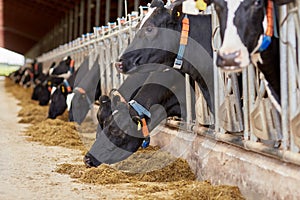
(245, 118)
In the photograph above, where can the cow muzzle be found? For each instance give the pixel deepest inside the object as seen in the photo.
(119, 66)
(228, 61)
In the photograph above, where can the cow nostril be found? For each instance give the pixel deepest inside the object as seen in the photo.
(119, 66)
(224, 60)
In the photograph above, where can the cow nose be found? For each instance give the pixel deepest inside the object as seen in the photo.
(224, 60)
(119, 66)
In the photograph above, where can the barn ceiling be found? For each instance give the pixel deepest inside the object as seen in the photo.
(26, 22)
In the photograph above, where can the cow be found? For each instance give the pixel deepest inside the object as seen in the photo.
(162, 95)
(58, 98)
(85, 93)
(64, 69)
(248, 35)
(75, 93)
(157, 40)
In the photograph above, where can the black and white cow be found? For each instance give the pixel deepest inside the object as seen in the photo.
(64, 69)
(243, 24)
(86, 91)
(162, 94)
(58, 98)
(158, 41)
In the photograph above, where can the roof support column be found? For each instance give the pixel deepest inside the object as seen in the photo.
(71, 25)
(81, 17)
(136, 5)
(97, 16)
(120, 8)
(75, 31)
(107, 11)
(88, 18)
(66, 28)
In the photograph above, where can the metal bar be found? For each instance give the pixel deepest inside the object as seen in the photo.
(81, 17)
(284, 81)
(75, 32)
(215, 24)
(97, 14)
(292, 74)
(188, 98)
(107, 11)
(88, 17)
(245, 104)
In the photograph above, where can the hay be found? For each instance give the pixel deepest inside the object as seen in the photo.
(152, 173)
(55, 133)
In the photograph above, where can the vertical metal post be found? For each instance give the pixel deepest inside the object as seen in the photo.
(88, 17)
(125, 8)
(188, 98)
(120, 8)
(215, 24)
(245, 104)
(71, 25)
(107, 11)
(97, 15)
(292, 73)
(81, 17)
(284, 81)
(75, 32)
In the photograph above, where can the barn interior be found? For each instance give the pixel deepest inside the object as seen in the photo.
(33, 27)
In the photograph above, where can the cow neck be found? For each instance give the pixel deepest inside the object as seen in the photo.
(270, 27)
(68, 86)
(142, 113)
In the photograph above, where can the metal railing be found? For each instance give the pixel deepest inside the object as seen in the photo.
(244, 118)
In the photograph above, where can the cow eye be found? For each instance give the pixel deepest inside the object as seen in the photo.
(257, 2)
(149, 29)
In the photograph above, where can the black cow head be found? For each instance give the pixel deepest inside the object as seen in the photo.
(104, 110)
(241, 29)
(58, 103)
(41, 93)
(155, 40)
(62, 67)
(119, 138)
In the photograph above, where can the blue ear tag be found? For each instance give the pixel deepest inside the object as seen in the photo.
(146, 142)
(265, 43)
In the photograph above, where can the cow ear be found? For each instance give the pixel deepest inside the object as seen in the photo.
(176, 11)
(157, 3)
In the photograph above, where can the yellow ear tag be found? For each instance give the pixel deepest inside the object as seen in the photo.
(201, 5)
(139, 126)
(178, 14)
(63, 89)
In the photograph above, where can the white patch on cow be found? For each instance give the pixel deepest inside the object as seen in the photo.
(115, 112)
(149, 13)
(65, 75)
(51, 70)
(69, 100)
(271, 97)
(232, 41)
(53, 90)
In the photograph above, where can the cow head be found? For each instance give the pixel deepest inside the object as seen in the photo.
(104, 110)
(118, 139)
(62, 67)
(155, 40)
(241, 30)
(58, 103)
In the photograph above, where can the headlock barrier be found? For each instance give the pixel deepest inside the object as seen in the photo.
(244, 115)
